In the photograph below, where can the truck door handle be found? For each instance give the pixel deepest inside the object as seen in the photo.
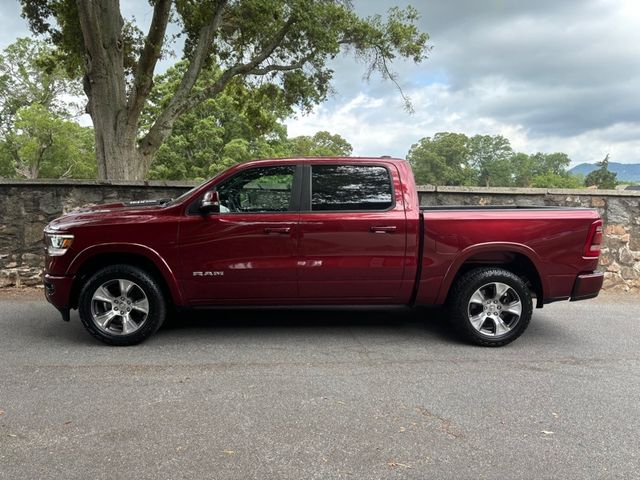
(388, 229)
(282, 230)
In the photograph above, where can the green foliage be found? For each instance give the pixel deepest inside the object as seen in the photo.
(30, 74)
(550, 162)
(555, 180)
(442, 160)
(602, 177)
(322, 144)
(484, 160)
(43, 145)
(523, 167)
(314, 32)
(37, 139)
(544, 170)
(240, 124)
(282, 47)
(491, 158)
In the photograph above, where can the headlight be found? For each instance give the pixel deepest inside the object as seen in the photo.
(58, 244)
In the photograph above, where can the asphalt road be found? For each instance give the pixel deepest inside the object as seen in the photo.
(322, 394)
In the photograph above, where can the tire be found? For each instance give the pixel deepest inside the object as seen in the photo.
(121, 305)
(490, 306)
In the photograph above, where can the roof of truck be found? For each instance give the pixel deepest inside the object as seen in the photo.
(385, 158)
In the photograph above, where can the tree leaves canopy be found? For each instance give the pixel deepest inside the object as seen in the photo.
(455, 159)
(284, 43)
(602, 177)
(37, 136)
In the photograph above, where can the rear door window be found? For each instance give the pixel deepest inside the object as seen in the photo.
(350, 187)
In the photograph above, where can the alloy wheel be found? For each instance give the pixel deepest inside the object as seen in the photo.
(494, 309)
(119, 307)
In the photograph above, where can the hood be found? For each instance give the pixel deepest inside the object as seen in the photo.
(137, 211)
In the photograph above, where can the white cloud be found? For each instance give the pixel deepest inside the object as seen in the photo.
(379, 126)
(548, 75)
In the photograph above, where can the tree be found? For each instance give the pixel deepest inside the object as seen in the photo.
(523, 169)
(37, 137)
(554, 180)
(30, 74)
(322, 144)
(543, 170)
(283, 42)
(602, 177)
(491, 156)
(556, 163)
(442, 160)
(44, 145)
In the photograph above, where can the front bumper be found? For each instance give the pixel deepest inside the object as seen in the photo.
(57, 291)
(587, 286)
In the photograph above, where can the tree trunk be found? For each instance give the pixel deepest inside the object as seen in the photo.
(104, 83)
(117, 155)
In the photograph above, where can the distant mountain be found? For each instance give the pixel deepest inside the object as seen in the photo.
(627, 172)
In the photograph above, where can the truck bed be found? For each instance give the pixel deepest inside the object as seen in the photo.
(545, 240)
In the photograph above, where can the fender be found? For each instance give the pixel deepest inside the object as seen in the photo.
(134, 248)
(472, 250)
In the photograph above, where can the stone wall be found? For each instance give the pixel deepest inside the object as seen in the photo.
(27, 206)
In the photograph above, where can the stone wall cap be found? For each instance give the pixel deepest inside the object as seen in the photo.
(493, 190)
(426, 188)
(528, 191)
(593, 192)
(97, 183)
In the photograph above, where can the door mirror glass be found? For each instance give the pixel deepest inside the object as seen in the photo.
(210, 203)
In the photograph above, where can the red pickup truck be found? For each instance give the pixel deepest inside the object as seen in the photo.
(317, 231)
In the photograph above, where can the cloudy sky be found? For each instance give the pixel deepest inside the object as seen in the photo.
(550, 75)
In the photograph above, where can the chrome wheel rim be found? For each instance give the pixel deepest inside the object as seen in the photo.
(494, 309)
(119, 307)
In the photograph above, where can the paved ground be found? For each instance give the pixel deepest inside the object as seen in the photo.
(309, 394)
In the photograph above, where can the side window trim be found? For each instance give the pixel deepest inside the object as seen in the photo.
(305, 204)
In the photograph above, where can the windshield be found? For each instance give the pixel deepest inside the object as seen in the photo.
(177, 200)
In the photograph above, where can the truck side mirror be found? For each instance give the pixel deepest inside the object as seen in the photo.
(210, 203)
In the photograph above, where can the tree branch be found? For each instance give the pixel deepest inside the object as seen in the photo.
(249, 68)
(67, 172)
(161, 128)
(200, 54)
(392, 76)
(279, 68)
(181, 102)
(91, 31)
(143, 76)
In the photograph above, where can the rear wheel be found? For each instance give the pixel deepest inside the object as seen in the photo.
(490, 306)
(121, 305)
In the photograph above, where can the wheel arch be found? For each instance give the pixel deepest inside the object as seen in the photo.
(516, 258)
(96, 257)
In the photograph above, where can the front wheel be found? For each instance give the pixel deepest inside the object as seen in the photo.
(490, 306)
(121, 305)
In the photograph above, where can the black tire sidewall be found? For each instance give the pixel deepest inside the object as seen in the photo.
(465, 288)
(157, 306)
